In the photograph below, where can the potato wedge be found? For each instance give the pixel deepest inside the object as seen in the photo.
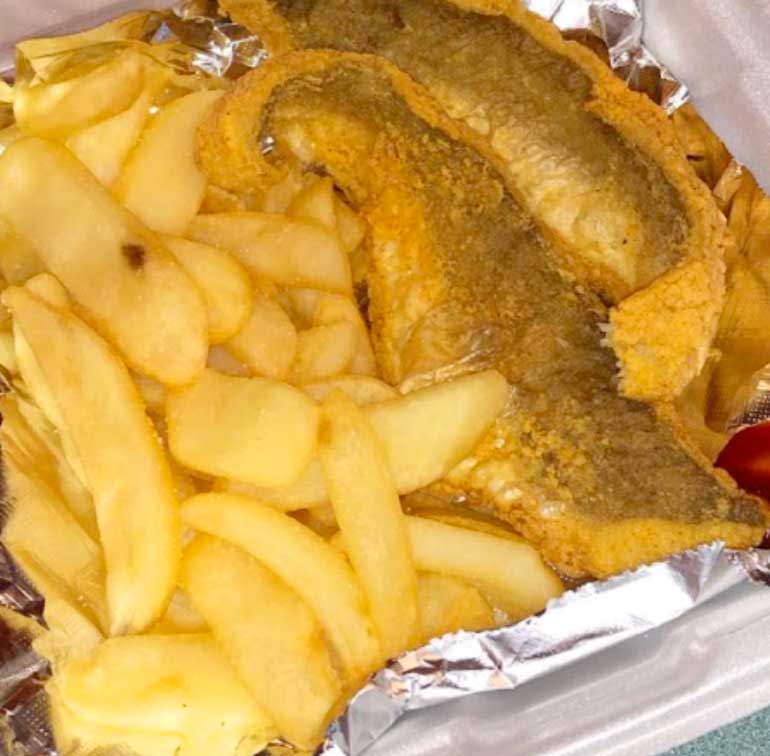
(362, 389)
(104, 147)
(223, 282)
(319, 574)
(267, 341)
(368, 511)
(57, 109)
(123, 280)
(315, 203)
(251, 429)
(175, 684)
(48, 288)
(323, 351)
(426, 433)
(99, 410)
(161, 182)
(448, 605)
(289, 252)
(513, 570)
(279, 653)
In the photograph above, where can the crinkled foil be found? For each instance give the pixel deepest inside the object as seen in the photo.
(576, 625)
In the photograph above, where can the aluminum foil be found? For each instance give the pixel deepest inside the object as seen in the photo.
(578, 624)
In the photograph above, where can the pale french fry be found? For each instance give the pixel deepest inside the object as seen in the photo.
(513, 570)
(368, 510)
(315, 203)
(8, 136)
(362, 389)
(99, 410)
(8, 352)
(47, 287)
(173, 684)
(104, 147)
(289, 252)
(280, 652)
(251, 429)
(278, 198)
(223, 361)
(351, 229)
(180, 617)
(223, 281)
(267, 341)
(122, 279)
(63, 107)
(153, 394)
(319, 574)
(19, 260)
(309, 490)
(448, 605)
(161, 182)
(302, 305)
(429, 431)
(323, 351)
(335, 308)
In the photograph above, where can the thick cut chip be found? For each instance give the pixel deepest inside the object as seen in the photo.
(18, 259)
(161, 182)
(318, 573)
(362, 389)
(269, 634)
(98, 409)
(460, 279)
(123, 280)
(368, 510)
(513, 570)
(335, 308)
(448, 605)
(173, 684)
(315, 203)
(267, 341)
(289, 252)
(48, 288)
(597, 167)
(62, 107)
(323, 351)
(223, 282)
(251, 429)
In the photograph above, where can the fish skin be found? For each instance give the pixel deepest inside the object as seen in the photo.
(462, 279)
(596, 165)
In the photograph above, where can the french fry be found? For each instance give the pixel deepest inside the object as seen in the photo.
(319, 574)
(8, 136)
(47, 287)
(335, 308)
(289, 252)
(448, 605)
(323, 351)
(99, 410)
(180, 617)
(18, 259)
(350, 227)
(161, 182)
(60, 108)
(267, 341)
(429, 431)
(122, 279)
(104, 147)
(153, 394)
(280, 652)
(251, 429)
(362, 389)
(223, 282)
(224, 361)
(368, 510)
(170, 684)
(513, 571)
(315, 203)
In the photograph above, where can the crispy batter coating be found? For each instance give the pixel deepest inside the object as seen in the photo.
(461, 279)
(596, 165)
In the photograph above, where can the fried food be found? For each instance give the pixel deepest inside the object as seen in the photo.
(461, 280)
(595, 165)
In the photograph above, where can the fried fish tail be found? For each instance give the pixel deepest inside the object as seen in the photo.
(461, 278)
(596, 165)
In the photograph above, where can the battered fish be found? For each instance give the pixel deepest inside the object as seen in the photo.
(462, 279)
(596, 165)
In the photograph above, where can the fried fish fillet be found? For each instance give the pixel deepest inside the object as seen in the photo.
(596, 165)
(462, 279)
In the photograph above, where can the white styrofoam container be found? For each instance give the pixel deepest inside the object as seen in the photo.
(702, 671)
